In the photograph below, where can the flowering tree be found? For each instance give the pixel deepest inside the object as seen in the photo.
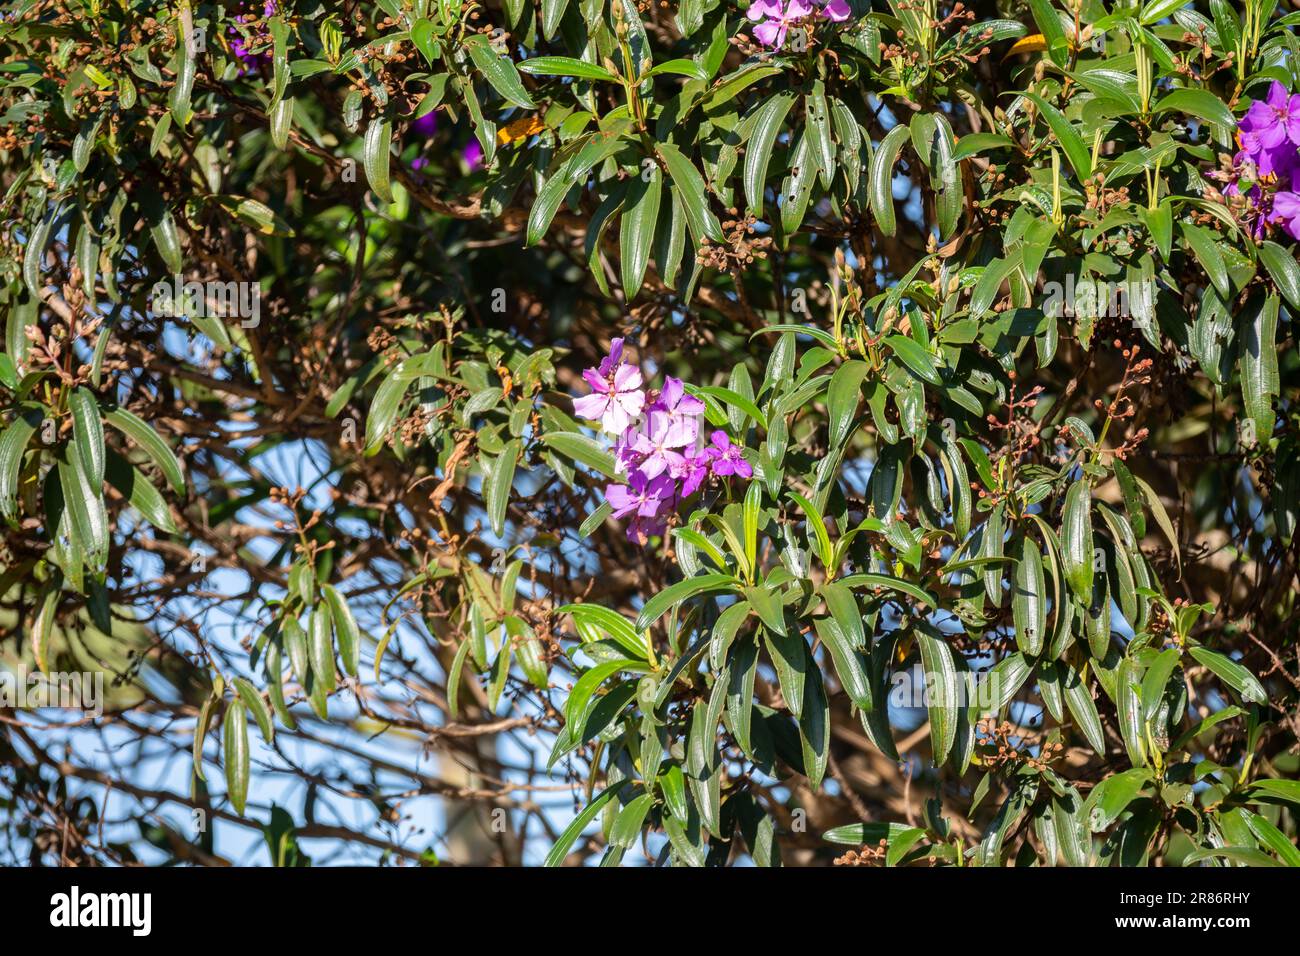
(678, 432)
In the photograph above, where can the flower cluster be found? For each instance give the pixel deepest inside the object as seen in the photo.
(775, 18)
(659, 445)
(1266, 171)
(252, 54)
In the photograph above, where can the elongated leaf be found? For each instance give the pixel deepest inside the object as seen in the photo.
(637, 229)
(88, 431)
(1231, 673)
(941, 675)
(695, 203)
(346, 631)
(1076, 540)
(151, 444)
(1071, 142)
(880, 179)
(252, 700)
(496, 486)
(499, 71)
(375, 155)
(681, 591)
(235, 754)
(768, 122)
(1260, 382)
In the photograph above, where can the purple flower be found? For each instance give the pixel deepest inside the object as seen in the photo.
(1274, 120)
(645, 496)
(425, 125)
(1270, 132)
(472, 154)
(726, 458)
(657, 443)
(616, 398)
(779, 17)
(682, 412)
(692, 471)
(837, 11)
(1286, 211)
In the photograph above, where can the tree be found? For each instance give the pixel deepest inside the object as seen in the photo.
(809, 432)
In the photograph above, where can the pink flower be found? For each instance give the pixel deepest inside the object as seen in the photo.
(682, 412)
(837, 11)
(726, 458)
(692, 471)
(616, 399)
(772, 31)
(643, 495)
(1286, 210)
(657, 444)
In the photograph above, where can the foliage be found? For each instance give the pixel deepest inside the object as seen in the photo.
(879, 243)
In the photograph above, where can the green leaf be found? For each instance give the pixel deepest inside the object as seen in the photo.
(565, 66)
(1260, 383)
(1288, 790)
(1076, 540)
(699, 218)
(1231, 673)
(375, 155)
(637, 229)
(1111, 796)
(916, 357)
(1049, 24)
(252, 700)
(1155, 679)
(496, 486)
(768, 122)
(582, 449)
(1078, 698)
(835, 633)
(818, 529)
(1071, 142)
(1283, 269)
(143, 496)
(320, 648)
(573, 172)
(1248, 855)
(1029, 599)
(681, 591)
(13, 445)
(346, 631)
(1200, 104)
(235, 754)
(499, 71)
(871, 580)
(880, 179)
(561, 848)
(945, 700)
(85, 504)
(842, 399)
(151, 444)
(88, 431)
(593, 619)
(1204, 247)
(1273, 838)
